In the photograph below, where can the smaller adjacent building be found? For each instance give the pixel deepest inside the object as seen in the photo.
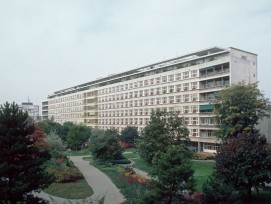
(31, 109)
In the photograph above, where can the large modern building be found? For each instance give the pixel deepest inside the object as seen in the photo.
(185, 85)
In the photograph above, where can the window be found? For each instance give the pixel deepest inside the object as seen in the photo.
(186, 120)
(164, 79)
(178, 87)
(194, 132)
(194, 121)
(171, 78)
(186, 97)
(178, 76)
(171, 89)
(194, 109)
(185, 86)
(151, 81)
(140, 83)
(140, 93)
(157, 80)
(194, 85)
(194, 97)
(186, 75)
(178, 110)
(146, 82)
(135, 84)
(151, 91)
(158, 100)
(146, 102)
(157, 90)
(178, 98)
(171, 99)
(164, 100)
(164, 89)
(194, 73)
(186, 109)
(146, 92)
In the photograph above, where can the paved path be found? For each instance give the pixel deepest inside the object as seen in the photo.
(99, 182)
(138, 171)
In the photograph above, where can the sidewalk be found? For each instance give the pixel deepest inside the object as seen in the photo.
(97, 180)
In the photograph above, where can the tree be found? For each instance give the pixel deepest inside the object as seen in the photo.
(164, 129)
(78, 136)
(96, 134)
(129, 135)
(172, 174)
(49, 125)
(21, 161)
(54, 142)
(107, 148)
(64, 130)
(238, 108)
(245, 161)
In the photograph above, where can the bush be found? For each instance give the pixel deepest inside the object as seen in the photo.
(215, 190)
(203, 156)
(65, 174)
(121, 161)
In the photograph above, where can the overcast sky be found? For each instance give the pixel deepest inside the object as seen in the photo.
(48, 45)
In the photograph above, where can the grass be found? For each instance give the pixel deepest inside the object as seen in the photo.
(71, 190)
(203, 169)
(132, 191)
(133, 154)
(81, 152)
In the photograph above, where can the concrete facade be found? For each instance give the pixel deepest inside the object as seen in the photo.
(184, 84)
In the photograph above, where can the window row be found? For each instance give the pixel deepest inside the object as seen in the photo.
(151, 101)
(66, 98)
(153, 81)
(67, 104)
(66, 110)
(147, 111)
(151, 92)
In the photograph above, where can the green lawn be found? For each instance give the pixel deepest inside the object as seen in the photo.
(139, 163)
(81, 152)
(132, 191)
(71, 190)
(203, 169)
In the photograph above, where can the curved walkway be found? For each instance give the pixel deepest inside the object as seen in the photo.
(97, 180)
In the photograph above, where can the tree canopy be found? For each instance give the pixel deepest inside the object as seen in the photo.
(238, 109)
(21, 161)
(164, 129)
(77, 136)
(107, 148)
(172, 173)
(129, 135)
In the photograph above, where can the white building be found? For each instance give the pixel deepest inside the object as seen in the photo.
(184, 84)
(31, 109)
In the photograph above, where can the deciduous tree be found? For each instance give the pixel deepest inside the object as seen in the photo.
(238, 109)
(164, 129)
(78, 135)
(129, 135)
(107, 148)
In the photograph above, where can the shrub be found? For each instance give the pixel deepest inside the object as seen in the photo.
(121, 161)
(65, 174)
(203, 155)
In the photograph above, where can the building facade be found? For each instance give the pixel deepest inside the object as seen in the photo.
(184, 84)
(31, 109)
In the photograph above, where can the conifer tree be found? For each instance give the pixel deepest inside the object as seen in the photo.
(21, 161)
